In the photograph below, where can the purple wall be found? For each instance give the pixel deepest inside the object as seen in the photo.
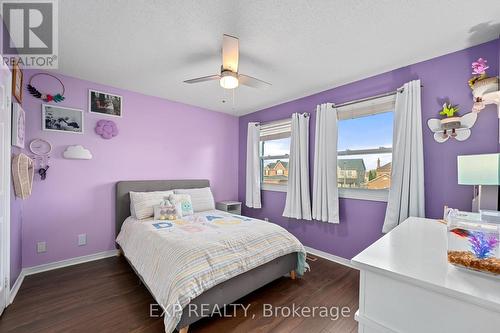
(158, 139)
(361, 221)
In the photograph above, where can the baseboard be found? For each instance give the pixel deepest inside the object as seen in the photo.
(55, 265)
(15, 288)
(331, 257)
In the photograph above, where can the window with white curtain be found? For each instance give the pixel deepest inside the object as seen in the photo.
(365, 149)
(275, 154)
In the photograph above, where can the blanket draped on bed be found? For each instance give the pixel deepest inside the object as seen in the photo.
(179, 260)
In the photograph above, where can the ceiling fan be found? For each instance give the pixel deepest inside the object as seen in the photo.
(229, 78)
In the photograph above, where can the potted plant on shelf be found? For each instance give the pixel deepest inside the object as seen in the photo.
(450, 122)
(481, 84)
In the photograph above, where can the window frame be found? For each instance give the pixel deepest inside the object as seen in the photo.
(283, 123)
(358, 110)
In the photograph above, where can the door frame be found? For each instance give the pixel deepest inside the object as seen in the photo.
(6, 189)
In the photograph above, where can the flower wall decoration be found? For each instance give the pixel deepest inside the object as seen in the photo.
(106, 129)
(479, 67)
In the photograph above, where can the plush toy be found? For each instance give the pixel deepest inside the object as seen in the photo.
(167, 210)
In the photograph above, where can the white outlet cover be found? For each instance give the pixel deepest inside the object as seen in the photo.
(41, 247)
(82, 239)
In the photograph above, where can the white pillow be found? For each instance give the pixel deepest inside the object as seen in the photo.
(201, 198)
(142, 203)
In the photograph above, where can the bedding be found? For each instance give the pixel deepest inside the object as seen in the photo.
(142, 203)
(179, 260)
(202, 198)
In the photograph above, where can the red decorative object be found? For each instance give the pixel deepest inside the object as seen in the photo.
(49, 98)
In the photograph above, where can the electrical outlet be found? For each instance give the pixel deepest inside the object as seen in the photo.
(266, 219)
(82, 239)
(41, 247)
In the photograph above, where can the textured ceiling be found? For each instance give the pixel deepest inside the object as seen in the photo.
(301, 47)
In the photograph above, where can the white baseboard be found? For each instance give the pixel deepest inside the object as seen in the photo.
(15, 288)
(55, 265)
(331, 257)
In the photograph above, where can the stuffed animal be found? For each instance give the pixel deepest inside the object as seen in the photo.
(167, 210)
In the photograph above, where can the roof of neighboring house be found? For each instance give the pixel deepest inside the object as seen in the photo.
(382, 177)
(385, 168)
(273, 165)
(351, 164)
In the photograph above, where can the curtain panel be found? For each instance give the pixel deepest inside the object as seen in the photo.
(298, 199)
(406, 195)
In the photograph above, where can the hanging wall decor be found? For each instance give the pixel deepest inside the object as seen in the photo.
(106, 129)
(77, 152)
(17, 82)
(104, 103)
(41, 154)
(18, 125)
(58, 97)
(452, 126)
(484, 88)
(22, 175)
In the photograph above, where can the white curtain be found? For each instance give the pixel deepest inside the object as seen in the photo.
(252, 198)
(325, 205)
(298, 200)
(406, 195)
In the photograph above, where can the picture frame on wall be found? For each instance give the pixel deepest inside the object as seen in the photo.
(62, 119)
(104, 103)
(18, 126)
(17, 82)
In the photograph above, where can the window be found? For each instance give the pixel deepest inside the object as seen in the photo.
(365, 149)
(274, 154)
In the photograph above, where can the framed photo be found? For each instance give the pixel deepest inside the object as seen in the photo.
(60, 119)
(105, 103)
(18, 125)
(17, 82)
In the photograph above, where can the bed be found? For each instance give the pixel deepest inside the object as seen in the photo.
(151, 260)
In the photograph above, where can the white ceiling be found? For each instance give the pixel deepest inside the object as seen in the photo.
(301, 47)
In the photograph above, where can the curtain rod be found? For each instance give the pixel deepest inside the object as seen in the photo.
(306, 114)
(371, 97)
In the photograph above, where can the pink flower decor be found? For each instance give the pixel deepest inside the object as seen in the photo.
(479, 67)
(106, 129)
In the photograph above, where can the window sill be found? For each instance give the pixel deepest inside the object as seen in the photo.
(364, 194)
(273, 187)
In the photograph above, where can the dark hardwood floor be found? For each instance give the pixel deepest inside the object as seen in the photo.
(106, 296)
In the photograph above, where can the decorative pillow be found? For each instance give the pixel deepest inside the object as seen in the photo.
(184, 201)
(167, 211)
(201, 198)
(142, 203)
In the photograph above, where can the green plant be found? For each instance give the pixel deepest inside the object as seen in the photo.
(449, 110)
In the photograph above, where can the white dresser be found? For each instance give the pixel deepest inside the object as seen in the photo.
(407, 285)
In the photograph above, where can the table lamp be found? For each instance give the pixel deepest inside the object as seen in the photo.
(483, 172)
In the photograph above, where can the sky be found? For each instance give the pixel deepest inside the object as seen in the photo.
(360, 133)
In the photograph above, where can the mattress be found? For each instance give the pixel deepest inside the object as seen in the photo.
(179, 260)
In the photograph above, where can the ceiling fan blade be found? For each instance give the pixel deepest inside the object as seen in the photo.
(230, 53)
(203, 79)
(252, 82)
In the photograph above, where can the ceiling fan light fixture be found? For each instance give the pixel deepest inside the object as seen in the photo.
(229, 80)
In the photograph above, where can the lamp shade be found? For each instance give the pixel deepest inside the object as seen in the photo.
(481, 169)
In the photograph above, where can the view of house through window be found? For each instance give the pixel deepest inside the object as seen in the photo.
(274, 161)
(365, 152)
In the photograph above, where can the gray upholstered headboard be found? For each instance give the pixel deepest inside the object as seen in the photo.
(124, 187)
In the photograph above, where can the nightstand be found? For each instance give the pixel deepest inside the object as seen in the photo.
(233, 207)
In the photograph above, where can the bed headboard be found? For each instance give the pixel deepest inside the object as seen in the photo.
(124, 187)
